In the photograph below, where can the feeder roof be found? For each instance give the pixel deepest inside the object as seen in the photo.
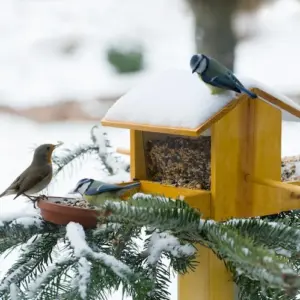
(177, 102)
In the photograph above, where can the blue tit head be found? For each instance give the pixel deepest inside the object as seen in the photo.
(199, 63)
(82, 185)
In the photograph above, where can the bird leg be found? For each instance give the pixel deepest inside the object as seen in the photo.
(33, 199)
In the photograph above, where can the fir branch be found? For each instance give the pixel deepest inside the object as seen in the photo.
(100, 140)
(68, 157)
(177, 218)
(13, 235)
(53, 280)
(274, 235)
(31, 262)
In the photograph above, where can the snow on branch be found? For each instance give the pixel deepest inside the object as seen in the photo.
(76, 235)
(163, 241)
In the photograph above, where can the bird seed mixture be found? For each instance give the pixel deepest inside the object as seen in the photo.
(180, 161)
(289, 170)
(74, 202)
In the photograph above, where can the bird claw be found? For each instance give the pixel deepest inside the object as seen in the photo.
(35, 199)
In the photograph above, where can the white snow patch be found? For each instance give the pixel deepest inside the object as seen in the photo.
(267, 259)
(148, 196)
(84, 271)
(28, 221)
(76, 235)
(174, 98)
(14, 291)
(246, 251)
(164, 241)
(283, 252)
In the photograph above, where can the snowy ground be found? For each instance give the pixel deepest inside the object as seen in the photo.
(34, 70)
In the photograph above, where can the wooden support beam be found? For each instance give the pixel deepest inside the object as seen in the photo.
(294, 190)
(123, 151)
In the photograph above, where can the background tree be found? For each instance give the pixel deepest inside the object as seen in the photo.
(214, 32)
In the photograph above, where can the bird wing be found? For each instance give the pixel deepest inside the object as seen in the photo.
(103, 188)
(223, 82)
(106, 187)
(31, 177)
(14, 187)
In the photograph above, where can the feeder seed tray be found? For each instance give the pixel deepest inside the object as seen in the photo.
(60, 211)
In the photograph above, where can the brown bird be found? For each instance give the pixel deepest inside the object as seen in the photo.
(37, 176)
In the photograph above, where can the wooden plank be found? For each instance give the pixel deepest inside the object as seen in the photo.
(293, 182)
(276, 101)
(123, 151)
(137, 157)
(228, 159)
(196, 198)
(294, 190)
(264, 148)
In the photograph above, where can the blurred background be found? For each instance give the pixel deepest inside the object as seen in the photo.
(71, 59)
(63, 63)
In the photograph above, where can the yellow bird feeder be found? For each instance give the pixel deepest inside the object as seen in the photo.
(244, 158)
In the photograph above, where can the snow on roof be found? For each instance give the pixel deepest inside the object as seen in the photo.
(174, 98)
(178, 99)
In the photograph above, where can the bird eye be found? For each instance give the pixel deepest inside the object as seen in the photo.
(48, 148)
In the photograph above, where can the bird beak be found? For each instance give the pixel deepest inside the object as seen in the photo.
(58, 144)
(194, 70)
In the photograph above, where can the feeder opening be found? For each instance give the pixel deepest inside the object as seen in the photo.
(177, 160)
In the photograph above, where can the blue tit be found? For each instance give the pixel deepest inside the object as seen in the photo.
(216, 76)
(96, 192)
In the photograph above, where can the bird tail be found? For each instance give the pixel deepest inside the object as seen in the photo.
(131, 186)
(7, 192)
(249, 93)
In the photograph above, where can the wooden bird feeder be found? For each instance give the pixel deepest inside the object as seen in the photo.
(244, 159)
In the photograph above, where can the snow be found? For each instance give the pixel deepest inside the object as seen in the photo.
(179, 91)
(246, 251)
(28, 221)
(34, 34)
(76, 235)
(140, 195)
(163, 241)
(84, 271)
(14, 290)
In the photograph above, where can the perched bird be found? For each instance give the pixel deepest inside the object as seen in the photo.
(37, 176)
(216, 76)
(96, 192)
